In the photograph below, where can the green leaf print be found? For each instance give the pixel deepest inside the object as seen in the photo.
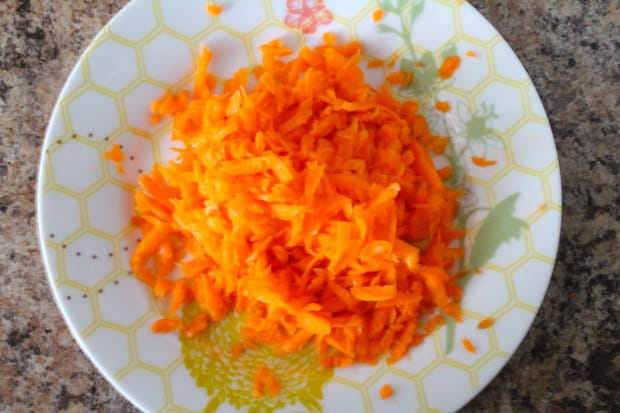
(498, 227)
(415, 12)
(407, 65)
(425, 74)
(387, 6)
(450, 331)
(449, 51)
(476, 130)
(384, 28)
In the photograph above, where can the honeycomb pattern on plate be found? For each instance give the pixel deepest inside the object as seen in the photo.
(152, 46)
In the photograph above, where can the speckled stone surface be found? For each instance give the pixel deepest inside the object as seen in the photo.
(570, 359)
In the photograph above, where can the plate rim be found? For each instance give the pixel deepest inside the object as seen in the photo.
(50, 271)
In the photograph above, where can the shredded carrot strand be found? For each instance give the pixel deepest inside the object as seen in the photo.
(299, 202)
(396, 77)
(377, 15)
(214, 9)
(468, 345)
(482, 162)
(486, 323)
(329, 39)
(166, 325)
(197, 325)
(443, 106)
(392, 60)
(471, 53)
(375, 63)
(445, 172)
(386, 391)
(117, 156)
(449, 66)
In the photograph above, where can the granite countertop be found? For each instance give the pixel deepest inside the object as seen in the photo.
(570, 359)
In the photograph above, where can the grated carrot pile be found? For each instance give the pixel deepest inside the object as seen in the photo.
(310, 203)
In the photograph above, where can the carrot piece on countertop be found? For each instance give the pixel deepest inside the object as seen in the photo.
(471, 53)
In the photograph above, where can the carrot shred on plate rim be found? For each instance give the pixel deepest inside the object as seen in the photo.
(443, 106)
(386, 391)
(468, 345)
(449, 66)
(377, 15)
(482, 162)
(214, 9)
(486, 323)
(374, 63)
(310, 203)
(116, 155)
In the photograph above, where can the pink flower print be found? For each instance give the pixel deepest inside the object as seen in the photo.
(306, 15)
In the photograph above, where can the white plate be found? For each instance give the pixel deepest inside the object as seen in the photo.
(513, 208)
